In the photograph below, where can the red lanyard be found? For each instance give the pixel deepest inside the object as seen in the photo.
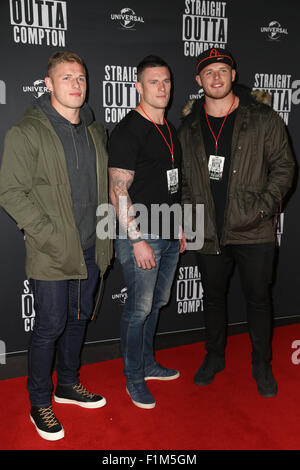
(171, 148)
(217, 138)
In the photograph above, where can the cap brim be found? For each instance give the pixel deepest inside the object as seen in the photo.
(225, 59)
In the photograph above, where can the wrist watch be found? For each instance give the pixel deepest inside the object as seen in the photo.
(136, 240)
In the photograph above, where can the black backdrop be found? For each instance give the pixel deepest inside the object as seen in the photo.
(112, 37)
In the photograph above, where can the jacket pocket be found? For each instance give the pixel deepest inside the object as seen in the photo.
(246, 210)
(55, 244)
(47, 197)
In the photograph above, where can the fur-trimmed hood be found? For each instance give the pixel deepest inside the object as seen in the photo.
(245, 94)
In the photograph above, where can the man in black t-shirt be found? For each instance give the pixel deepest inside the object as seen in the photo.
(145, 178)
(237, 162)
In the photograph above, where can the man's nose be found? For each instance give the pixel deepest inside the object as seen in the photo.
(75, 83)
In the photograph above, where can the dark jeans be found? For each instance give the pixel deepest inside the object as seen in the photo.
(255, 266)
(62, 309)
(148, 290)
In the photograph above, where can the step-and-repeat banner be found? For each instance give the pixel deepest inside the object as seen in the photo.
(112, 37)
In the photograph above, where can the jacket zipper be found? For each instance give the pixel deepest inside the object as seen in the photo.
(210, 201)
(98, 182)
(232, 170)
(99, 296)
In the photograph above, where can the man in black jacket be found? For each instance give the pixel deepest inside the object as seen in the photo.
(237, 163)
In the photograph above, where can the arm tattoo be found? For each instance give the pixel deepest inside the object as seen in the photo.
(120, 181)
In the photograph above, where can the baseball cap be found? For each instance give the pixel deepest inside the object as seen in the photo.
(214, 55)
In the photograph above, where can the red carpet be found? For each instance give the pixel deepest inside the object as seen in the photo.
(228, 414)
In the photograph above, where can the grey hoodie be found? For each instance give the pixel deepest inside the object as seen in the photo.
(81, 163)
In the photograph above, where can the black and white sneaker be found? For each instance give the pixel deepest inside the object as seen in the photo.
(46, 423)
(78, 395)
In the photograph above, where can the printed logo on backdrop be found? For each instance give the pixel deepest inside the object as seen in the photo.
(189, 291)
(2, 352)
(28, 313)
(274, 31)
(39, 22)
(283, 90)
(121, 296)
(279, 228)
(119, 92)
(2, 92)
(127, 19)
(37, 89)
(197, 96)
(204, 25)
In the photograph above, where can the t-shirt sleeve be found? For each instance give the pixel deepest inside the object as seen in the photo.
(123, 149)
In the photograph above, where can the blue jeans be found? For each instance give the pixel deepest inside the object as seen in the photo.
(148, 290)
(62, 309)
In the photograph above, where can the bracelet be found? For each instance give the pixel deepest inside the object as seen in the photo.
(136, 240)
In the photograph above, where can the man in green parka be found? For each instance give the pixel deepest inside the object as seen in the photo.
(53, 178)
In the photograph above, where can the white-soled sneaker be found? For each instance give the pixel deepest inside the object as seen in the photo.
(78, 395)
(140, 395)
(46, 423)
(158, 372)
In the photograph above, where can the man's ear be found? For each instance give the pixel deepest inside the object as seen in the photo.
(48, 83)
(233, 75)
(198, 80)
(139, 88)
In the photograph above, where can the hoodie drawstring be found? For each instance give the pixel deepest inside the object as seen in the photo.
(74, 143)
(86, 135)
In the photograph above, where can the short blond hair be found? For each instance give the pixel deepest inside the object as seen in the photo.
(63, 56)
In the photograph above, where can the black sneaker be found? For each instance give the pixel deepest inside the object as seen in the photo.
(46, 423)
(210, 367)
(266, 384)
(78, 395)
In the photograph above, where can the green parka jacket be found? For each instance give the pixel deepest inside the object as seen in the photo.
(35, 191)
(261, 173)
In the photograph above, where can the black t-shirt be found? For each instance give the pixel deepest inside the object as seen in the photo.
(219, 187)
(136, 144)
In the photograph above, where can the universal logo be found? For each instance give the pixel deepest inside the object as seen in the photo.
(274, 31)
(197, 96)
(2, 92)
(121, 297)
(127, 18)
(38, 88)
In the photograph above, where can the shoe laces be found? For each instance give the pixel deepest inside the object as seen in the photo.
(83, 391)
(48, 416)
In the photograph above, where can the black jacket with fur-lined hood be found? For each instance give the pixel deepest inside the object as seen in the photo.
(261, 172)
